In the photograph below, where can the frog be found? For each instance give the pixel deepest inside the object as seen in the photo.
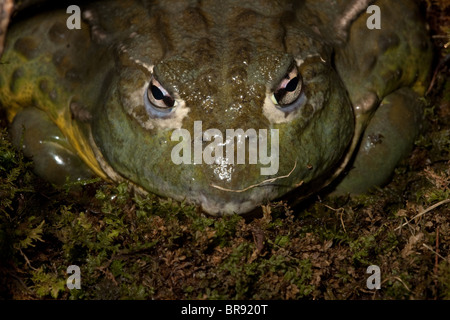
(145, 92)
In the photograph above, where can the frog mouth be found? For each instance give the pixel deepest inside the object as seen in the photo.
(214, 200)
(222, 206)
(262, 183)
(217, 208)
(244, 200)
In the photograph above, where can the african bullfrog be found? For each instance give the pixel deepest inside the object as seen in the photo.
(165, 94)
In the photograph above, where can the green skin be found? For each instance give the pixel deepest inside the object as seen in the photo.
(80, 94)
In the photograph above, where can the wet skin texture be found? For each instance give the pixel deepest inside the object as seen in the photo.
(106, 99)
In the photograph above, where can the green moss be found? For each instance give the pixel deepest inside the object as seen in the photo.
(47, 283)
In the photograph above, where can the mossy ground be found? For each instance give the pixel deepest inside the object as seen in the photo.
(130, 247)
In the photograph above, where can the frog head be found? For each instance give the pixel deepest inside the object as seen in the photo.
(226, 120)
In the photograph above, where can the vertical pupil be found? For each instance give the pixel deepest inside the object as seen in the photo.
(292, 85)
(157, 94)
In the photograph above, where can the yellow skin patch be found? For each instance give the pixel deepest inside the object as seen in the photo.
(43, 92)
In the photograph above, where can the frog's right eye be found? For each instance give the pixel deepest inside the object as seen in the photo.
(158, 97)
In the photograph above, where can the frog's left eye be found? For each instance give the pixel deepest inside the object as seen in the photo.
(159, 97)
(289, 89)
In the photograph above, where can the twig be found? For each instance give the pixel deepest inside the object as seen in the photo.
(398, 279)
(440, 66)
(423, 212)
(340, 212)
(26, 260)
(431, 249)
(436, 257)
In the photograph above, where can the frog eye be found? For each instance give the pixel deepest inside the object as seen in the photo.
(158, 97)
(289, 89)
